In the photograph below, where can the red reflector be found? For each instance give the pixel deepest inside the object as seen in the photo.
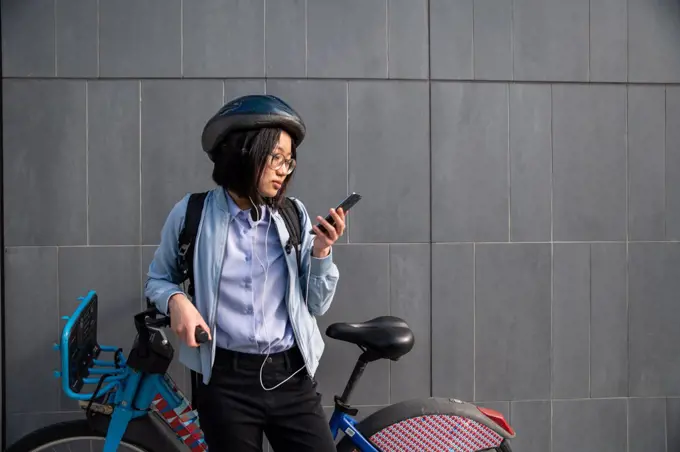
(497, 418)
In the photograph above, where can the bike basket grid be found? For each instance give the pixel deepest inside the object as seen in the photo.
(82, 343)
(436, 433)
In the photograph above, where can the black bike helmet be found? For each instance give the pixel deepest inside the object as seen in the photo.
(252, 112)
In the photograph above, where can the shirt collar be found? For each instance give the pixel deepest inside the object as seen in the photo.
(235, 210)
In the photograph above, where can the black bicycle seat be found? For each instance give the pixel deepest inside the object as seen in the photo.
(388, 336)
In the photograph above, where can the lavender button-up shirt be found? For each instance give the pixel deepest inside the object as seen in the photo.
(251, 306)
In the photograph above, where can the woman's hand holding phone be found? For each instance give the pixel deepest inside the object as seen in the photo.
(329, 234)
(328, 230)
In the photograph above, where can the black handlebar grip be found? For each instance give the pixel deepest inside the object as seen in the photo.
(201, 335)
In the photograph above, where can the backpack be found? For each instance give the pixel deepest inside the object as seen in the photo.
(289, 211)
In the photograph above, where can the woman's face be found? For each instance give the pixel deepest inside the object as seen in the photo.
(272, 177)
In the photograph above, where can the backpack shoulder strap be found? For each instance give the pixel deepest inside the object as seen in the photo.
(291, 216)
(187, 237)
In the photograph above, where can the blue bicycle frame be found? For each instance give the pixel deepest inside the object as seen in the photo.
(132, 392)
(346, 423)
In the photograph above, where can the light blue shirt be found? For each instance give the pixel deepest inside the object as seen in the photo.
(309, 292)
(251, 306)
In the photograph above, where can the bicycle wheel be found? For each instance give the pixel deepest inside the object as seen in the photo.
(431, 424)
(57, 437)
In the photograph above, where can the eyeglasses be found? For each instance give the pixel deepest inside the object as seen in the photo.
(276, 161)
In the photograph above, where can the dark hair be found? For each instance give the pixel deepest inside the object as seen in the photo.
(242, 157)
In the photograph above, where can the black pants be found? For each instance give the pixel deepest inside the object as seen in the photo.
(234, 410)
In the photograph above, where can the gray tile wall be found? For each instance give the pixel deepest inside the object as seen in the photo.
(519, 162)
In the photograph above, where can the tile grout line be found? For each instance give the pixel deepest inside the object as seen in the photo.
(627, 425)
(58, 395)
(98, 37)
(627, 251)
(627, 169)
(389, 312)
(672, 242)
(429, 155)
(552, 263)
(306, 38)
(139, 137)
(181, 38)
(590, 321)
(472, 41)
(665, 158)
(349, 222)
(507, 93)
(577, 399)
(627, 43)
(141, 277)
(512, 38)
(87, 163)
(589, 41)
(141, 234)
(665, 423)
(450, 81)
(552, 170)
(54, 18)
(565, 242)
(29, 247)
(474, 321)
(387, 39)
(264, 42)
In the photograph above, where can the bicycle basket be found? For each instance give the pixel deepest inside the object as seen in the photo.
(83, 348)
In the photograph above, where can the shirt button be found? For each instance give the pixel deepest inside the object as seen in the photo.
(270, 360)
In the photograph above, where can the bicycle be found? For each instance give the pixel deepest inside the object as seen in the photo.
(136, 404)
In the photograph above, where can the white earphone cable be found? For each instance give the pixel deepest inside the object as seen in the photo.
(264, 292)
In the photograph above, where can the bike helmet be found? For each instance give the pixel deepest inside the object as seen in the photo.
(251, 112)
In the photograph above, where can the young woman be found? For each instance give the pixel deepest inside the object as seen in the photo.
(257, 368)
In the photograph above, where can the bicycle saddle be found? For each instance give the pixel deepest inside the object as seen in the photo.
(388, 336)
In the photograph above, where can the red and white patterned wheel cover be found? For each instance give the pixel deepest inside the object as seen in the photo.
(435, 433)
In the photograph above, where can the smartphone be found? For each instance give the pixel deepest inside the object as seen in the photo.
(347, 204)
